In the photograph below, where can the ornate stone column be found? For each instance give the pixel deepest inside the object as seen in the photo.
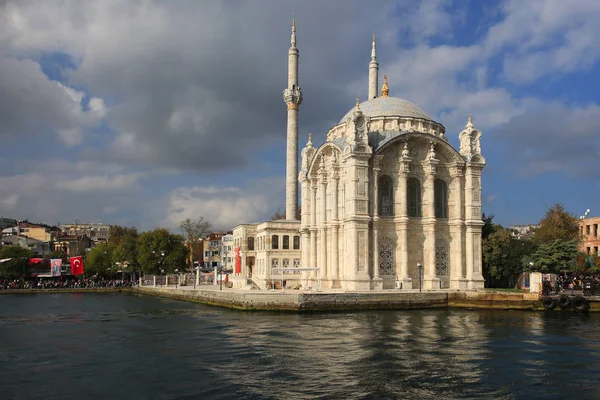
(323, 221)
(457, 256)
(431, 281)
(402, 266)
(474, 225)
(469, 230)
(375, 209)
(313, 226)
(335, 227)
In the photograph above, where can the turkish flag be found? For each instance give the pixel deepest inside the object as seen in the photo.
(35, 261)
(76, 265)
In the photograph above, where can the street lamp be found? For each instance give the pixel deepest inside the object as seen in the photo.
(420, 269)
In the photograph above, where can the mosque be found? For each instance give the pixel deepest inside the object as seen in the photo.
(386, 201)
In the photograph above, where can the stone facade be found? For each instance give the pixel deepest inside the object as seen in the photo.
(590, 235)
(268, 245)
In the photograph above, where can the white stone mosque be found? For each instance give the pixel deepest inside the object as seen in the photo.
(386, 200)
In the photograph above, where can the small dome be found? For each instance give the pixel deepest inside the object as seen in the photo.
(389, 107)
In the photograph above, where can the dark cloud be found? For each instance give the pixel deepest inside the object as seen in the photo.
(552, 138)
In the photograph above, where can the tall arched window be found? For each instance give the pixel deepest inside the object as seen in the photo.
(286, 242)
(386, 196)
(413, 195)
(441, 198)
(250, 243)
(296, 242)
(274, 242)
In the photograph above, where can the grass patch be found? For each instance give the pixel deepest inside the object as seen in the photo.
(506, 290)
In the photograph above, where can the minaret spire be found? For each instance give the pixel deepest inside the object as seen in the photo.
(292, 97)
(293, 41)
(373, 71)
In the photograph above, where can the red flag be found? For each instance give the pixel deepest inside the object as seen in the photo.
(238, 261)
(35, 261)
(76, 265)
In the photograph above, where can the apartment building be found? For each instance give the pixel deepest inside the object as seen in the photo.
(590, 239)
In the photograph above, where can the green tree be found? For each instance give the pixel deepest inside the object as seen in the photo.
(556, 256)
(192, 231)
(502, 257)
(153, 244)
(557, 224)
(489, 226)
(19, 263)
(99, 259)
(125, 247)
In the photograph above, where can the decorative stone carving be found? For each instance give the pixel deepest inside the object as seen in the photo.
(386, 256)
(431, 154)
(441, 257)
(361, 206)
(470, 143)
(405, 151)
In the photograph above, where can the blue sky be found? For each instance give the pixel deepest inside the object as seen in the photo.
(144, 112)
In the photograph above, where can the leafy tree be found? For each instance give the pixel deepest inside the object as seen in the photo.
(554, 257)
(557, 224)
(19, 263)
(502, 257)
(489, 226)
(193, 230)
(124, 246)
(99, 259)
(153, 244)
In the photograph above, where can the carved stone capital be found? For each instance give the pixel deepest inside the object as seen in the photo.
(457, 170)
(431, 166)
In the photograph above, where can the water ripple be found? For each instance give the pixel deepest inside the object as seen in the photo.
(121, 346)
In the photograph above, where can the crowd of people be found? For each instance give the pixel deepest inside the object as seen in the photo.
(570, 282)
(75, 283)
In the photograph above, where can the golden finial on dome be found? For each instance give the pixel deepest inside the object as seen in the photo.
(357, 104)
(385, 90)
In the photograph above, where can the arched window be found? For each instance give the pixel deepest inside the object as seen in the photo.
(413, 195)
(286, 242)
(274, 242)
(296, 242)
(250, 243)
(441, 198)
(386, 196)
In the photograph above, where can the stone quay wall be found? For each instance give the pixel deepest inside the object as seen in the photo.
(348, 301)
(286, 301)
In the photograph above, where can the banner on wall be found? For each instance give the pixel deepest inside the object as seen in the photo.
(77, 265)
(238, 260)
(55, 266)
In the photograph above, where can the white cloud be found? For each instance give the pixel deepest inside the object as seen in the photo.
(224, 207)
(545, 37)
(100, 183)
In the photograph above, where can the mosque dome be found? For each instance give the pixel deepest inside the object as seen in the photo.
(389, 107)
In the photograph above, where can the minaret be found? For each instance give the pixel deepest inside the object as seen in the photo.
(292, 97)
(373, 72)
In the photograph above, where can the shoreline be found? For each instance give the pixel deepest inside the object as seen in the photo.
(299, 302)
